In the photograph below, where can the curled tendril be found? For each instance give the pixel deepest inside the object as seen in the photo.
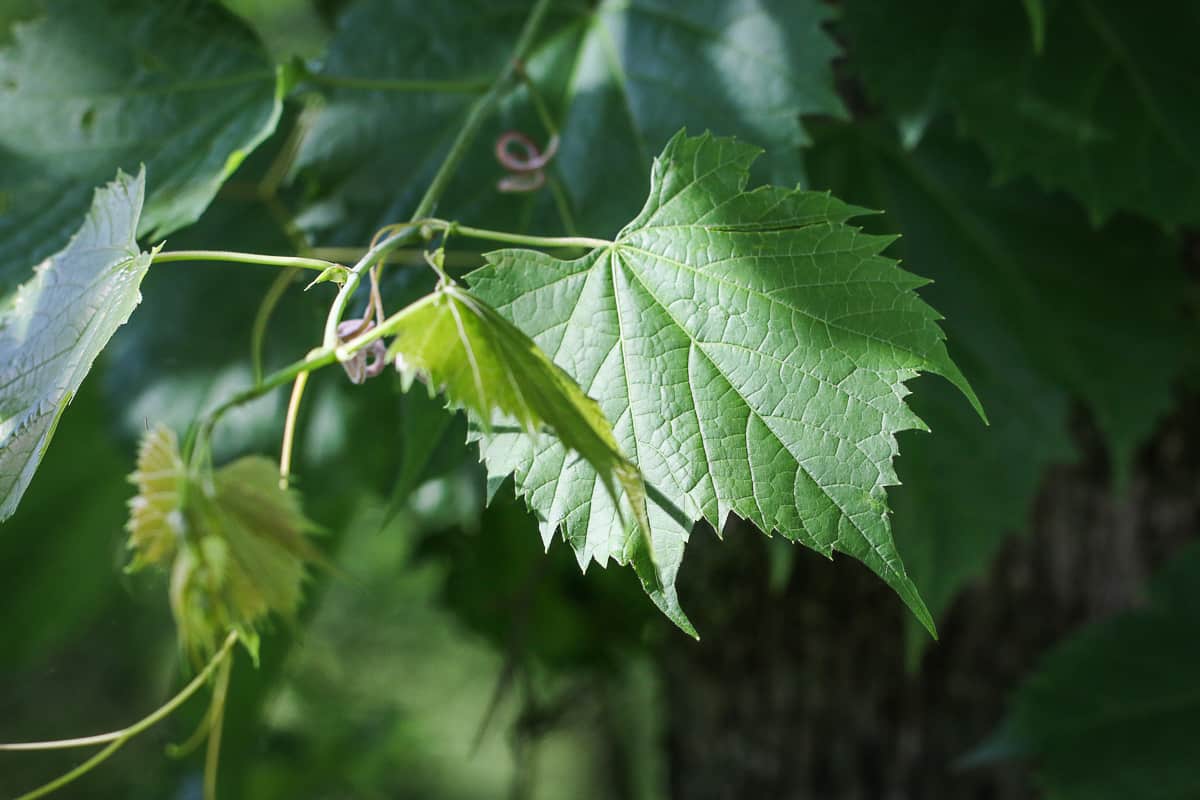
(527, 168)
(368, 362)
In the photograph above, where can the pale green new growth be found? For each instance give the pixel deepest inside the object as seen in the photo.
(234, 541)
(751, 350)
(59, 322)
(484, 364)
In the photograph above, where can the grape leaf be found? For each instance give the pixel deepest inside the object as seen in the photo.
(1041, 310)
(619, 80)
(59, 322)
(751, 349)
(486, 365)
(180, 86)
(1099, 111)
(1111, 712)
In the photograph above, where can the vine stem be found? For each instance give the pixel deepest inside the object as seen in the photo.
(289, 430)
(331, 347)
(532, 241)
(259, 330)
(117, 739)
(394, 84)
(479, 111)
(168, 256)
(316, 359)
(339, 351)
(212, 755)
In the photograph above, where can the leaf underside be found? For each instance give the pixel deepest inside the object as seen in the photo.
(59, 322)
(751, 349)
(234, 542)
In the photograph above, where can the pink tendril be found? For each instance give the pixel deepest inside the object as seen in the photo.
(368, 362)
(526, 168)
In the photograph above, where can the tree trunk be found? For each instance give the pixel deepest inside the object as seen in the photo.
(803, 692)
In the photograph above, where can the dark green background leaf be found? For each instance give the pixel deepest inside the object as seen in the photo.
(178, 85)
(1108, 111)
(1040, 308)
(619, 81)
(1114, 712)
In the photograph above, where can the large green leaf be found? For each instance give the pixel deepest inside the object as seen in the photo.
(1102, 110)
(179, 85)
(1112, 712)
(751, 349)
(1041, 308)
(619, 79)
(486, 365)
(59, 322)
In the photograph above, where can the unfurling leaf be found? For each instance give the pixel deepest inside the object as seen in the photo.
(235, 542)
(335, 274)
(751, 349)
(486, 365)
(58, 323)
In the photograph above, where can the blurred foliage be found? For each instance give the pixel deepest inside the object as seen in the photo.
(73, 108)
(1090, 104)
(1111, 712)
(1039, 311)
(453, 658)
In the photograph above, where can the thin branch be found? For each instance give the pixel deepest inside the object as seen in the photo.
(258, 332)
(533, 241)
(398, 84)
(117, 739)
(168, 256)
(478, 113)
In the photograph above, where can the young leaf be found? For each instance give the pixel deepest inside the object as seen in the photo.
(59, 322)
(234, 541)
(180, 86)
(751, 348)
(1099, 111)
(1111, 713)
(619, 79)
(486, 365)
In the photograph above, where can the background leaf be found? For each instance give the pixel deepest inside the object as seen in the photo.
(1100, 112)
(1111, 712)
(618, 79)
(1041, 309)
(59, 322)
(180, 86)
